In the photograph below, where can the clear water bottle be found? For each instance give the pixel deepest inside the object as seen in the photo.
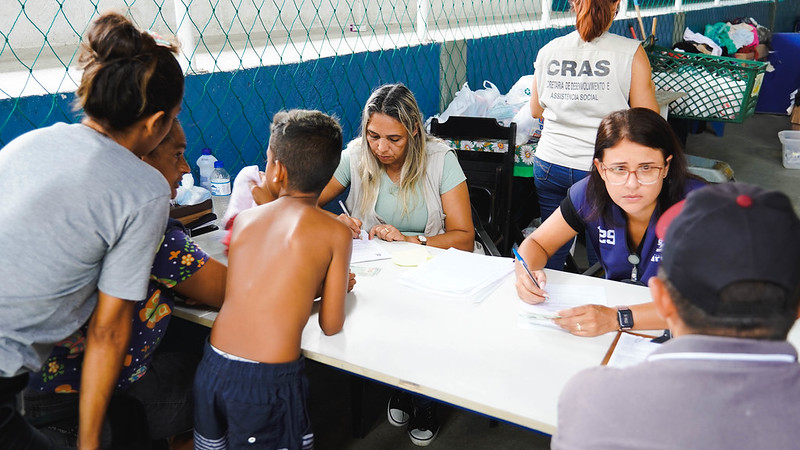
(205, 165)
(220, 191)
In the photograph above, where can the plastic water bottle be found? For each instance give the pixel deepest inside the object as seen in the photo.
(205, 165)
(220, 191)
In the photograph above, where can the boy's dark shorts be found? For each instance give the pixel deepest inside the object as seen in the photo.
(250, 405)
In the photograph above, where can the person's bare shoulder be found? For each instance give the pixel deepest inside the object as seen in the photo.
(333, 231)
(251, 225)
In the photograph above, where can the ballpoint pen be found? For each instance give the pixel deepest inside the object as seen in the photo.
(344, 208)
(347, 213)
(525, 266)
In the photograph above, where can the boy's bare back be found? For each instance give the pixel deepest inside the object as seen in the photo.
(283, 255)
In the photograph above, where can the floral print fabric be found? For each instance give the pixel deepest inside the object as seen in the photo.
(178, 258)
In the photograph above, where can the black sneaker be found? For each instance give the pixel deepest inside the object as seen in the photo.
(424, 426)
(399, 409)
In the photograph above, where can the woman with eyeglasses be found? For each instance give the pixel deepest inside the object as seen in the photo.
(578, 79)
(639, 171)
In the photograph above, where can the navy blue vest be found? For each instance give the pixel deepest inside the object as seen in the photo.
(610, 241)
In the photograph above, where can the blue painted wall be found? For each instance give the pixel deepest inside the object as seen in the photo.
(230, 112)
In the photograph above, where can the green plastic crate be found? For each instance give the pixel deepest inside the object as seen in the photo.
(717, 88)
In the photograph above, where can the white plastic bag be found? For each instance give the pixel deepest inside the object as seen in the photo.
(485, 98)
(527, 126)
(520, 93)
(471, 103)
(502, 111)
(462, 105)
(189, 194)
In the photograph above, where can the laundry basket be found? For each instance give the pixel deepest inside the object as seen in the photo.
(717, 88)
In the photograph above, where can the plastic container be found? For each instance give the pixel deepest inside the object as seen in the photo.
(205, 165)
(711, 170)
(717, 88)
(220, 191)
(791, 148)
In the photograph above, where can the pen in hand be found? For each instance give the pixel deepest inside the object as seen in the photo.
(525, 266)
(347, 213)
(344, 208)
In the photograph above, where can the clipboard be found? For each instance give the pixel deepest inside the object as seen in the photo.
(613, 345)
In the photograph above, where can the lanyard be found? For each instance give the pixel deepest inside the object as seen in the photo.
(633, 258)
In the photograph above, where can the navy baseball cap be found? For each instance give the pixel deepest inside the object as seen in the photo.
(730, 232)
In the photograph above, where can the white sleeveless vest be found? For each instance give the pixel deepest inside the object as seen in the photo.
(579, 83)
(433, 178)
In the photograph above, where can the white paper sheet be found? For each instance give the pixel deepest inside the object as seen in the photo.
(631, 349)
(365, 249)
(459, 274)
(562, 296)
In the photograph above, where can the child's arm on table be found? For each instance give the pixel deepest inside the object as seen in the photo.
(335, 286)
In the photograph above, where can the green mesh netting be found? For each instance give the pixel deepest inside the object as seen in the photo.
(246, 59)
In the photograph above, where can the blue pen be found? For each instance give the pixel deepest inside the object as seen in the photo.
(525, 266)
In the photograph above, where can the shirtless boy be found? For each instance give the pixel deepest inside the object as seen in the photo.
(250, 388)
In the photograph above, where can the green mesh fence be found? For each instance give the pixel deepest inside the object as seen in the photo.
(247, 59)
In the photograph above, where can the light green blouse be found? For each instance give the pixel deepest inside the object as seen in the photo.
(388, 204)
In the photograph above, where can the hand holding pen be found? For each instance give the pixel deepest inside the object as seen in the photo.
(351, 222)
(530, 288)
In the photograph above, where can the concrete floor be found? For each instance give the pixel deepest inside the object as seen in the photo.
(753, 151)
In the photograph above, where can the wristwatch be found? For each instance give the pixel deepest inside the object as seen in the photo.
(625, 317)
(422, 240)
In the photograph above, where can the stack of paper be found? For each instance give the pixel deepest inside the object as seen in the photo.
(366, 249)
(561, 297)
(459, 274)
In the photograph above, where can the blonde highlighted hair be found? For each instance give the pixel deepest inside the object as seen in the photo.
(396, 101)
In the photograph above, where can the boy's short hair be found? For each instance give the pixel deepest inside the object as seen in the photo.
(309, 144)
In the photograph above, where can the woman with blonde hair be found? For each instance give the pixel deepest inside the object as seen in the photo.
(578, 79)
(404, 185)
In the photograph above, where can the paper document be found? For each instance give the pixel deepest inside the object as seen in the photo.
(631, 349)
(562, 296)
(365, 249)
(459, 274)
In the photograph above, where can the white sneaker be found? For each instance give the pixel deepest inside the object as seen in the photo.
(399, 409)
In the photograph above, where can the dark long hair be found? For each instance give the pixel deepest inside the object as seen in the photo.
(127, 74)
(644, 127)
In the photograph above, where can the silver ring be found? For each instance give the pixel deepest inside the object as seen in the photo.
(579, 326)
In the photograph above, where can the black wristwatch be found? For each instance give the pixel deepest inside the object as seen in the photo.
(625, 317)
(422, 240)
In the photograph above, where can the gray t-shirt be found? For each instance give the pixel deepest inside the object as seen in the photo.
(78, 213)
